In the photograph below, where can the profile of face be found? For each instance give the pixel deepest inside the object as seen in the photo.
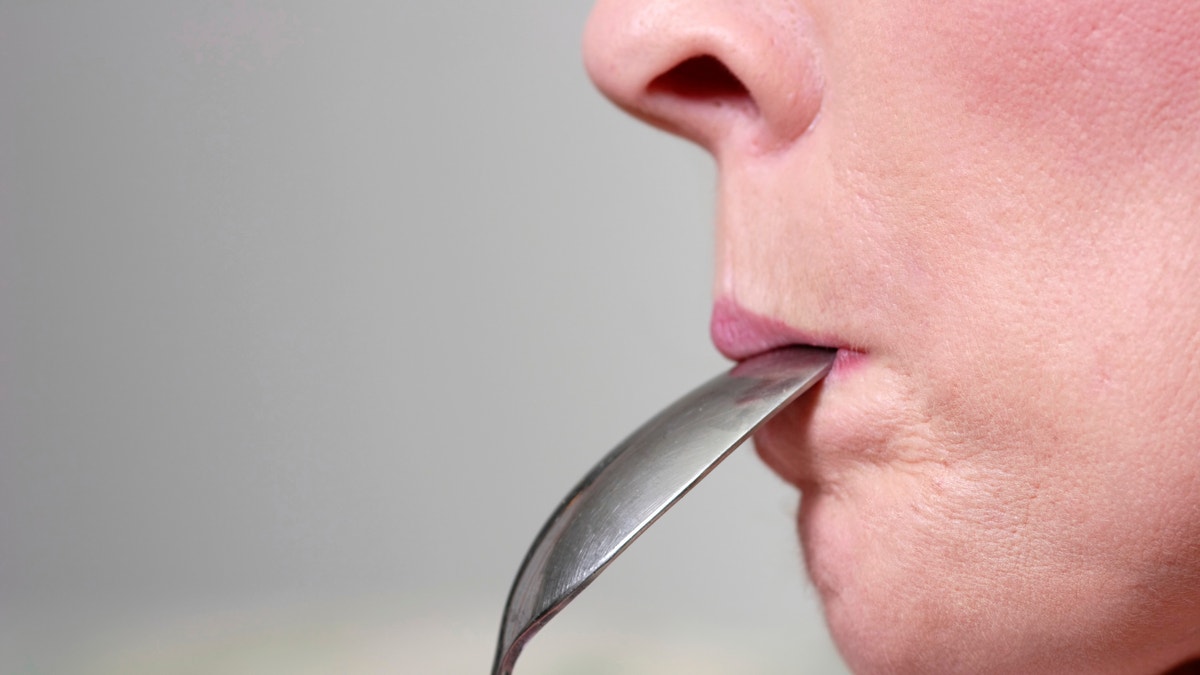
(992, 209)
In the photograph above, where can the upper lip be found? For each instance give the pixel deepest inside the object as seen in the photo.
(739, 333)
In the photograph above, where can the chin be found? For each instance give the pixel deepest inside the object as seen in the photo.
(895, 608)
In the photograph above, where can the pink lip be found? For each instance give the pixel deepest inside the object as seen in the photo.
(739, 334)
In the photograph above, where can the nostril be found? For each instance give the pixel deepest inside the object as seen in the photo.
(700, 77)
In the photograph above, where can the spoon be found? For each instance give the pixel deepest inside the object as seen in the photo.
(643, 477)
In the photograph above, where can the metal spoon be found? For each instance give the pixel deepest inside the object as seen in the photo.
(641, 478)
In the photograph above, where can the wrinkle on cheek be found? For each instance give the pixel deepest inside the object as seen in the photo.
(935, 530)
(905, 439)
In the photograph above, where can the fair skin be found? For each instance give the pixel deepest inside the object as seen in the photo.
(992, 208)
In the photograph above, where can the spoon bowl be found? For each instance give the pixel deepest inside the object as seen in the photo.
(641, 478)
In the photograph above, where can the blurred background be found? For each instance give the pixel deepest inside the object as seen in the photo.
(311, 312)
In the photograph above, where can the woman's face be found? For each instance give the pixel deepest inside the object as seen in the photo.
(993, 209)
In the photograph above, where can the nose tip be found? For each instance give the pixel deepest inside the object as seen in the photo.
(706, 68)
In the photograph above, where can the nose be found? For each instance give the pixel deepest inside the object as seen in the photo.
(713, 71)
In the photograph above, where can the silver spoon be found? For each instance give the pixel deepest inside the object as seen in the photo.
(641, 478)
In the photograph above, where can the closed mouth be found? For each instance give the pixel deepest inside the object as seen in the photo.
(739, 334)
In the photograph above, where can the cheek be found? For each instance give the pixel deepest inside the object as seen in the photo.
(1098, 80)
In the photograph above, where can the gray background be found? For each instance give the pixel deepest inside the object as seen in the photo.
(309, 315)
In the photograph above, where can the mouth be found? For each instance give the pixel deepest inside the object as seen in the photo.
(739, 334)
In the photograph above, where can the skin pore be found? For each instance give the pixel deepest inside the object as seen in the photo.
(995, 207)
